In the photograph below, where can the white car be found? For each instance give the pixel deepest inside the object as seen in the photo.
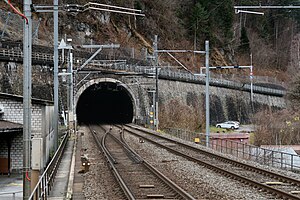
(238, 123)
(229, 124)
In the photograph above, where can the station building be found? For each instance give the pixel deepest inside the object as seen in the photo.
(11, 131)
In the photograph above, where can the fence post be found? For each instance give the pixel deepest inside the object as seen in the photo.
(226, 146)
(264, 156)
(237, 149)
(243, 150)
(272, 158)
(256, 153)
(281, 160)
(292, 162)
(221, 145)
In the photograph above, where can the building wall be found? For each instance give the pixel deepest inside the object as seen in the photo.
(3, 148)
(41, 127)
(17, 153)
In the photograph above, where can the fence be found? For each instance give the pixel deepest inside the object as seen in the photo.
(263, 156)
(46, 181)
(164, 73)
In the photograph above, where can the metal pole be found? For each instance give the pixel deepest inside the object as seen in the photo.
(207, 92)
(55, 114)
(27, 99)
(251, 84)
(69, 87)
(71, 92)
(156, 82)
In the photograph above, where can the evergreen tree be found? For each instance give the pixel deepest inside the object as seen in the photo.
(199, 20)
(244, 41)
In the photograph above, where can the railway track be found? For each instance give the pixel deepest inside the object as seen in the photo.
(272, 184)
(137, 178)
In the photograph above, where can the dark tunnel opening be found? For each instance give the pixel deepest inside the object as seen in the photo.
(104, 103)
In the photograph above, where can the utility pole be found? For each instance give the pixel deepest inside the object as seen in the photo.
(206, 52)
(55, 114)
(207, 132)
(156, 122)
(27, 49)
(71, 90)
(237, 67)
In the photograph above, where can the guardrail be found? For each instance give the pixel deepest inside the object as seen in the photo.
(12, 194)
(164, 73)
(46, 181)
(18, 55)
(274, 158)
(171, 74)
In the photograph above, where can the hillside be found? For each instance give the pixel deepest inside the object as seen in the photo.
(271, 38)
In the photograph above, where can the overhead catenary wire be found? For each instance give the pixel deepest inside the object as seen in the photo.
(16, 10)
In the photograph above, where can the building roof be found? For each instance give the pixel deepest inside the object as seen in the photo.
(8, 127)
(20, 98)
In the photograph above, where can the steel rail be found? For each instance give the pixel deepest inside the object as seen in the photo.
(161, 176)
(155, 172)
(101, 146)
(131, 154)
(223, 171)
(226, 159)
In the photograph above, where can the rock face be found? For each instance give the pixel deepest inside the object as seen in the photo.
(12, 80)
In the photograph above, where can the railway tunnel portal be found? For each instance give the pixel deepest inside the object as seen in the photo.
(105, 101)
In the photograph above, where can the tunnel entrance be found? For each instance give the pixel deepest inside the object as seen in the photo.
(105, 103)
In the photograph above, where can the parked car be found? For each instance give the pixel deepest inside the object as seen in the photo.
(228, 124)
(238, 123)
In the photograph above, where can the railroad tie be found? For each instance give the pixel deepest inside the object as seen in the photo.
(274, 183)
(155, 196)
(146, 186)
(295, 192)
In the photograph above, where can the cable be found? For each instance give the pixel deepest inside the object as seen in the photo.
(27, 177)
(16, 11)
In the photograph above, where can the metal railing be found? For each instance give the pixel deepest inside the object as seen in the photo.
(164, 73)
(46, 181)
(10, 194)
(260, 155)
(11, 54)
(173, 74)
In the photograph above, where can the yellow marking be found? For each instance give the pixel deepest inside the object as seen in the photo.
(197, 140)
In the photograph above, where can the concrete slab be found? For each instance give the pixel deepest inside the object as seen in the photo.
(61, 179)
(11, 187)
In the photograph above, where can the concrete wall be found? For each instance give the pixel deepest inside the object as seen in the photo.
(225, 104)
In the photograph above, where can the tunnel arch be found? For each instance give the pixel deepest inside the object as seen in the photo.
(105, 100)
